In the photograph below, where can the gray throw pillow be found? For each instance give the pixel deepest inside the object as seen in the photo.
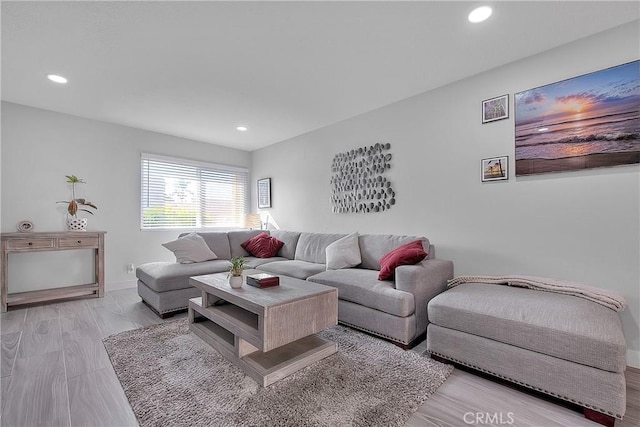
(190, 248)
(344, 253)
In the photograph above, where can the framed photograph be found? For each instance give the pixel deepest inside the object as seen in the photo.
(495, 109)
(585, 122)
(495, 169)
(264, 193)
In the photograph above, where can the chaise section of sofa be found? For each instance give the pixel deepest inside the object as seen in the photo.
(164, 286)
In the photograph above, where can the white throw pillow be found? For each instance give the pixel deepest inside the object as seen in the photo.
(344, 253)
(190, 248)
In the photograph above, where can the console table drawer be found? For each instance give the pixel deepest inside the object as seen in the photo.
(79, 242)
(30, 244)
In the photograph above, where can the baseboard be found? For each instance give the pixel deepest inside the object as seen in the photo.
(115, 286)
(633, 358)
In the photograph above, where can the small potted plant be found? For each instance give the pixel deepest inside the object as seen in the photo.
(74, 205)
(235, 273)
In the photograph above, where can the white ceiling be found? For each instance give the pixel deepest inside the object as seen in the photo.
(199, 69)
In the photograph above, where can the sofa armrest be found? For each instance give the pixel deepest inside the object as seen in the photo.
(424, 280)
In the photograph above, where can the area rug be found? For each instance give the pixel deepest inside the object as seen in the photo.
(172, 378)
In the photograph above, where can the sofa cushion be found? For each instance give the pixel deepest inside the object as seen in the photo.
(375, 246)
(263, 246)
(562, 326)
(363, 287)
(237, 238)
(343, 253)
(312, 247)
(293, 268)
(253, 262)
(290, 240)
(190, 248)
(408, 254)
(167, 276)
(218, 242)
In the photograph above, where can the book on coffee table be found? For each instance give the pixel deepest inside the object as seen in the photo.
(262, 280)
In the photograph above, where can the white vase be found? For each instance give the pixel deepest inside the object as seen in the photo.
(235, 282)
(76, 224)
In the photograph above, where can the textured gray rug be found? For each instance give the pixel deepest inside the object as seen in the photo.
(172, 378)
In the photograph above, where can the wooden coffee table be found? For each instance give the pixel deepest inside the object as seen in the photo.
(270, 332)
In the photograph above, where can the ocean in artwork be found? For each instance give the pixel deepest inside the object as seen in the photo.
(598, 113)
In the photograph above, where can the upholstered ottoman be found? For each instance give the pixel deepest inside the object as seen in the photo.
(562, 345)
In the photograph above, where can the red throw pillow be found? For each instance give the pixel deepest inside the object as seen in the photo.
(408, 254)
(263, 246)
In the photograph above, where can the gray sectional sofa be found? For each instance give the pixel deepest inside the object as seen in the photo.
(395, 310)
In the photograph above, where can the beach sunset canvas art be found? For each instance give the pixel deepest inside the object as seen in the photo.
(585, 122)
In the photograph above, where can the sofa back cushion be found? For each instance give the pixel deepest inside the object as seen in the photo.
(237, 238)
(290, 239)
(217, 242)
(344, 253)
(375, 246)
(312, 246)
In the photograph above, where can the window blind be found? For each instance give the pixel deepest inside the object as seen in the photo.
(179, 193)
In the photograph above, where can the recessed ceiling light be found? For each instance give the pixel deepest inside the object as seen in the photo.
(56, 78)
(479, 14)
(242, 128)
(542, 129)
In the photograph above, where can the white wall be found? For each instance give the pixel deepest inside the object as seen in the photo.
(580, 226)
(40, 147)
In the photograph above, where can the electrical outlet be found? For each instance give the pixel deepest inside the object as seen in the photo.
(130, 268)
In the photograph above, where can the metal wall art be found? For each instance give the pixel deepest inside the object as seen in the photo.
(358, 183)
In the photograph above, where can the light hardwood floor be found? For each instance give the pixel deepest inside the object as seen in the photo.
(55, 372)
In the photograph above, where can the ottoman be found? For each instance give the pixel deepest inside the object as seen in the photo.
(561, 345)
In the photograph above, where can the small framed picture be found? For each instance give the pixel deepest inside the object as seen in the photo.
(495, 109)
(495, 169)
(264, 193)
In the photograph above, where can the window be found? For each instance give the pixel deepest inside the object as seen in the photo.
(179, 193)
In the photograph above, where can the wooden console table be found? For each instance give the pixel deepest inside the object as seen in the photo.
(51, 241)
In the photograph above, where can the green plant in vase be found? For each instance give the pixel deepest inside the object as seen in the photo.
(76, 204)
(235, 273)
